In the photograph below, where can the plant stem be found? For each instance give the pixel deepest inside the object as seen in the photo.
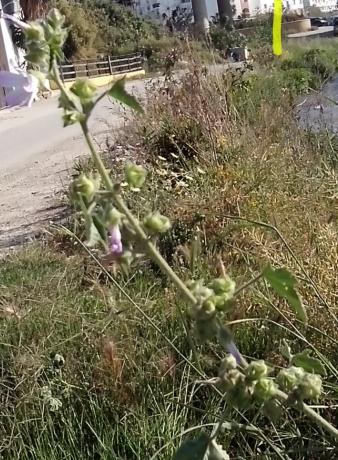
(311, 414)
(149, 246)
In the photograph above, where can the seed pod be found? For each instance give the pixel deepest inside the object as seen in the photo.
(289, 379)
(310, 387)
(256, 370)
(135, 175)
(265, 389)
(156, 223)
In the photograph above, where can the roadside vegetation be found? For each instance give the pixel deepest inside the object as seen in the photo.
(85, 375)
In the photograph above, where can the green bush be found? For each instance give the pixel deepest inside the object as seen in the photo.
(299, 80)
(223, 39)
(103, 27)
(321, 63)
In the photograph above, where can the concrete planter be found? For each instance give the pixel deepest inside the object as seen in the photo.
(292, 27)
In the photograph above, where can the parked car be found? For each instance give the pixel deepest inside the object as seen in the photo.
(318, 22)
(335, 26)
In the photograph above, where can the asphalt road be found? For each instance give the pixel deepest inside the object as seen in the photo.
(36, 158)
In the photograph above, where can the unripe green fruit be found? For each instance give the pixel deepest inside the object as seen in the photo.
(256, 370)
(135, 175)
(223, 286)
(83, 89)
(265, 389)
(289, 379)
(310, 387)
(156, 223)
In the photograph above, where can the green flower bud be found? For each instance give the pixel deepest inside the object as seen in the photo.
(208, 308)
(113, 217)
(231, 379)
(256, 370)
(265, 389)
(223, 286)
(222, 302)
(55, 18)
(156, 223)
(55, 38)
(289, 379)
(202, 293)
(34, 33)
(84, 89)
(228, 364)
(87, 186)
(194, 284)
(38, 55)
(310, 387)
(70, 117)
(135, 175)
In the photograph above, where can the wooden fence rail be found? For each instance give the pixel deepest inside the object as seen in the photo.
(111, 65)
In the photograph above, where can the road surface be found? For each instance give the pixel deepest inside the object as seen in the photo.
(36, 159)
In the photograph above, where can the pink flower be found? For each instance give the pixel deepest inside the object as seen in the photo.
(233, 350)
(115, 242)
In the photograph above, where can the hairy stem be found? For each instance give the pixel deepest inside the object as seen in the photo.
(320, 421)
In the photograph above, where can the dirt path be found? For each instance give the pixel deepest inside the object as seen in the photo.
(36, 158)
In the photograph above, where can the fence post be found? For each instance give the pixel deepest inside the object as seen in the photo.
(61, 73)
(110, 67)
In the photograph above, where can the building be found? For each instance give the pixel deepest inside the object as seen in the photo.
(156, 8)
(324, 5)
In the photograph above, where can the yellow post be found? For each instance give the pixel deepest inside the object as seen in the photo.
(277, 28)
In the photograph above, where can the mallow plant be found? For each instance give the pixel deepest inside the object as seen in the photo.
(112, 227)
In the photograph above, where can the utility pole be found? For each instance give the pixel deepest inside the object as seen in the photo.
(200, 11)
(225, 12)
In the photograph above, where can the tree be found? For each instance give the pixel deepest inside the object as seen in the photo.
(33, 9)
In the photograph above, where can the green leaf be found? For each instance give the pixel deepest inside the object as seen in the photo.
(119, 93)
(283, 283)
(285, 350)
(194, 449)
(308, 362)
(92, 234)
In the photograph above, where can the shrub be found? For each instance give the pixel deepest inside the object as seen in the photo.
(103, 27)
(321, 63)
(223, 39)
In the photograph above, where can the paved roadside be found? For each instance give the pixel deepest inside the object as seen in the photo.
(36, 159)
